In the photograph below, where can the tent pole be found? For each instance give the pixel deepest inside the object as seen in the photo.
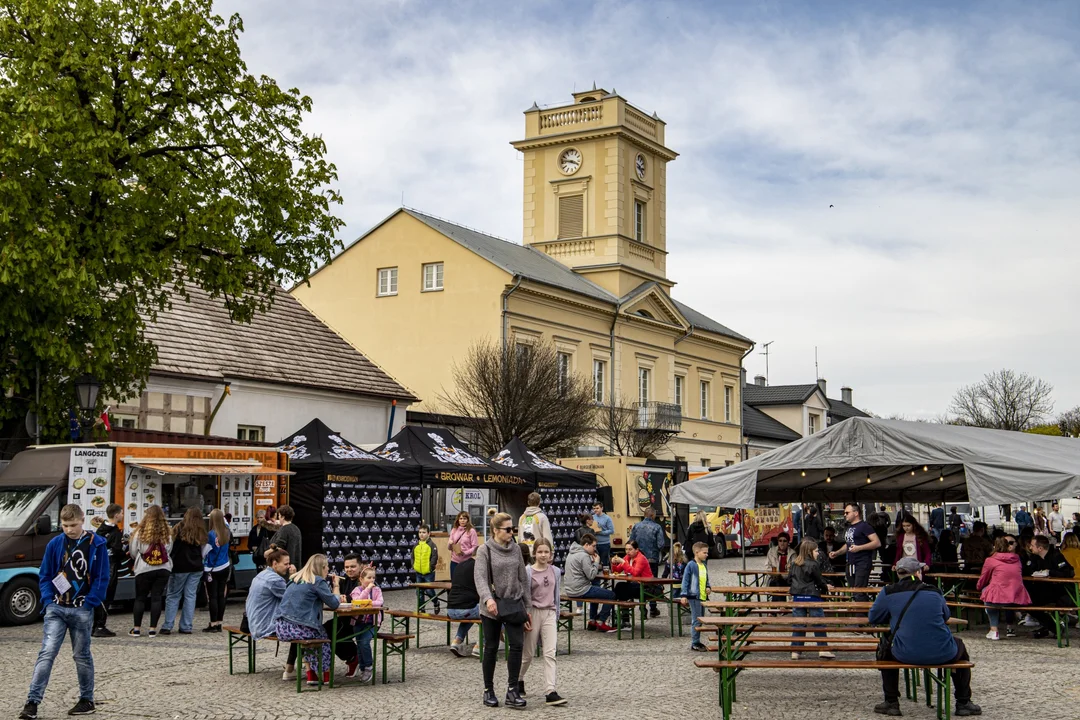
(742, 538)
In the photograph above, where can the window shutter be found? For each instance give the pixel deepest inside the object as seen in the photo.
(571, 216)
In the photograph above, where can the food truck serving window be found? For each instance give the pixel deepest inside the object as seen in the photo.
(18, 503)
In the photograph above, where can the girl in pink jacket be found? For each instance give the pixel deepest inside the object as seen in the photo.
(1001, 583)
(463, 540)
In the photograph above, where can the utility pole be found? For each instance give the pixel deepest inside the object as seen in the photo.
(766, 354)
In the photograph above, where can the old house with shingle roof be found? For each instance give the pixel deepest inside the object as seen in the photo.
(260, 380)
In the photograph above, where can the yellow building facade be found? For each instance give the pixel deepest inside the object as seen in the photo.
(416, 292)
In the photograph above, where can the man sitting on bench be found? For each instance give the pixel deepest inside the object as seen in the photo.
(923, 638)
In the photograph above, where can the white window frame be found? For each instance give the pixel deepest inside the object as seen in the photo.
(729, 394)
(435, 282)
(639, 220)
(563, 361)
(644, 375)
(251, 433)
(386, 282)
(120, 420)
(811, 421)
(599, 368)
(705, 388)
(680, 392)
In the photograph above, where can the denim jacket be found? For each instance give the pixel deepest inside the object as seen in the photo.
(303, 603)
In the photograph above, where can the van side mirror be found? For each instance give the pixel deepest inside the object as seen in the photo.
(43, 526)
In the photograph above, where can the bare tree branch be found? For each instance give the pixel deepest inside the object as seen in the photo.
(1004, 400)
(621, 428)
(508, 392)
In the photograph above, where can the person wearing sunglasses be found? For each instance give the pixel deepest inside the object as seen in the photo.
(1001, 583)
(500, 574)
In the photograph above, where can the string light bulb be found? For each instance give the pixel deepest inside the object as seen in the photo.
(828, 478)
(867, 479)
(913, 472)
(803, 473)
(941, 477)
(925, 468)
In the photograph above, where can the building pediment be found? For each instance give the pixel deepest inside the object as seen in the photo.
(650, 302)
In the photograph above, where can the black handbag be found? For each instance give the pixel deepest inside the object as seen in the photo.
(510, 612)
(884, 645)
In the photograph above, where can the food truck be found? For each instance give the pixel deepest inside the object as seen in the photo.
(40, 480)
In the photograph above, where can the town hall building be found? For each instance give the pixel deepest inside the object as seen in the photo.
(590, 276)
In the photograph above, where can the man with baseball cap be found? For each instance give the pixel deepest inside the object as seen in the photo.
(923, 638)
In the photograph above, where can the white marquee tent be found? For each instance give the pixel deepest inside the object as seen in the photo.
(872, 460)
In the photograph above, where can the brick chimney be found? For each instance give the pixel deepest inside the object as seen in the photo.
(845, 395)
(759, 380)
(821, 384)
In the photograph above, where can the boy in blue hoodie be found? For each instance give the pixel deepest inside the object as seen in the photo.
(695, 590)
(73, 578)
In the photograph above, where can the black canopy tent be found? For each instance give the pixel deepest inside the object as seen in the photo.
(443, 461)
(319, 457)
(519, 458)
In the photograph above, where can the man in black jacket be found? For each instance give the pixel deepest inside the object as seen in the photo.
(114, 543)
(812, 527)
(347, 650)
(1044, 560)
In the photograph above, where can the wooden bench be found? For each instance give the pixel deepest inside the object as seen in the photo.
(312, 644)
(631, 606)
(1061, 626)
(729, 669)
(400, 619)
(393, 644)
(238, 637)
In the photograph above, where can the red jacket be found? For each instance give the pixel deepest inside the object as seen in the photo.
(638, 567)
(1001, 582)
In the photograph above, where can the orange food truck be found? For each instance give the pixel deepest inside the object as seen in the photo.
(42, 479)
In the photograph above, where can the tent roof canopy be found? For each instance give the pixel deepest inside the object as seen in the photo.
(445, 461)
(909, 461)
(519, 458)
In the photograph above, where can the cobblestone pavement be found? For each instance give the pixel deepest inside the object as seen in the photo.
(186, 677)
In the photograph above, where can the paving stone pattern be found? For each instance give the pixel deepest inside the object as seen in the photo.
(186, 676)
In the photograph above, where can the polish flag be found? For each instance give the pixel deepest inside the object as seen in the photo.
(105, 420)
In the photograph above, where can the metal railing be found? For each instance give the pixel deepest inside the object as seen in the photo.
(659, 416)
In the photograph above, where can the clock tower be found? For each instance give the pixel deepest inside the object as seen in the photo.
(595, 189)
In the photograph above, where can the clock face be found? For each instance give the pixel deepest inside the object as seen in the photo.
(639, 166)
(570, 161)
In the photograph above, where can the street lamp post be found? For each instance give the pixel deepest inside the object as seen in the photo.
(86, 393)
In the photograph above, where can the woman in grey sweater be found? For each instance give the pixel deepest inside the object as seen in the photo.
(507, 573)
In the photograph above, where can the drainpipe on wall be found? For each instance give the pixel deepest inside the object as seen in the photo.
(506, 307)
(611, 392)
(688, 334)
(213, 414)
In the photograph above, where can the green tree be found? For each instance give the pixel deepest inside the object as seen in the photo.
(139, 157)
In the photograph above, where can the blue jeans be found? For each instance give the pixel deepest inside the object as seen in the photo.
(429, 594)
(363, 646)
(463, 628)
(60, 620)
(807, 612)
(182, 586)
(598, 612)
(604, 551)
(696, 611)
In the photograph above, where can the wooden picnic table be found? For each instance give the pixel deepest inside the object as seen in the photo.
(348, 610)
(742, 590)
(441, 588)
(655, 581)
(731, 608)
(759, 575)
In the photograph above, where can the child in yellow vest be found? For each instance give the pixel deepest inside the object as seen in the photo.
(425, 557)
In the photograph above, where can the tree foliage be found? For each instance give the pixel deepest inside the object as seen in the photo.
(1069, 422)
(517, 391)
(622, 429)
(1005, 400)
(139, 157)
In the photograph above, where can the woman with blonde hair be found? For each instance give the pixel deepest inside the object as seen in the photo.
(300, 613)
(216, 568)
(463, 541)
(150, 546)
(189, 544)
(700, 531)
(500, 576)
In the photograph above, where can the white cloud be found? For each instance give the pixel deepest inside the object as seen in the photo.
(947, 144)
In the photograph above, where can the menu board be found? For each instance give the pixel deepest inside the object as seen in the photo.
(141, 490)
(90, 483)
(237, 499)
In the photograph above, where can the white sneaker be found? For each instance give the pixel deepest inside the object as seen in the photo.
(476, 650)
(794, 656)
(826, 655)
(365, 675)
(288, 675)
(458, 649)
(1029, 621)
(993, 635)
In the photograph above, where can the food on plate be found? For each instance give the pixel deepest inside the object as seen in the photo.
(150, 499)
(101, 482)
(79, 483)
(133, 506)
(133, 485)
(95, 522)
(98, 501)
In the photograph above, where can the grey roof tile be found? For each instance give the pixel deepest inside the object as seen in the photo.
(843, 410)
(287, 345)
(777, 394)
(707, 323)
(758, 424)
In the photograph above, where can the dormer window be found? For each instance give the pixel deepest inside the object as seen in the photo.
(645, 314)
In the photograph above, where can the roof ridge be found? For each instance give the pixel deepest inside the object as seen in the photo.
(411, 210)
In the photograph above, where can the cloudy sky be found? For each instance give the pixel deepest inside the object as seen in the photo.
(945, 136)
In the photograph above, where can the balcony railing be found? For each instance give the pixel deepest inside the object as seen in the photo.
(659, 416)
